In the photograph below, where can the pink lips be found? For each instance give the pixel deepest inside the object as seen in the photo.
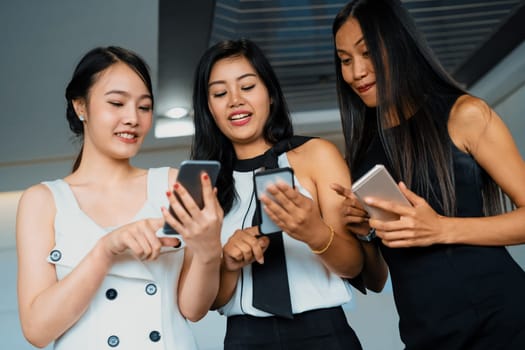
(364, 88)
(127, 139)
(241, 121)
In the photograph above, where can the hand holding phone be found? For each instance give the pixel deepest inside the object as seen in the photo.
(189, 176)
(262, 180)
(378, 182)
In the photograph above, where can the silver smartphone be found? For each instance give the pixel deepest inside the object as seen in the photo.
(189, 176)
(262, 180)
(378, 182)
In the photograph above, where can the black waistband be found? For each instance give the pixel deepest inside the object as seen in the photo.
(316, 319)
(322, 326)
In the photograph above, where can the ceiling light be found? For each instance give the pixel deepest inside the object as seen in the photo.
(176, 112)
(165, 127)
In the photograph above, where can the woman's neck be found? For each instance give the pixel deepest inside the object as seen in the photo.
(252, 150)
(104, 170)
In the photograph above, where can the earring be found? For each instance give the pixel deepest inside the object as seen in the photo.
(81, 117)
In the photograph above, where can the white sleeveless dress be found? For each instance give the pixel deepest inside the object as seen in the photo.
(136, 305)
(312, 285)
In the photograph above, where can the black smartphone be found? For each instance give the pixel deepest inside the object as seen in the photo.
(189, 176)
(262, 180)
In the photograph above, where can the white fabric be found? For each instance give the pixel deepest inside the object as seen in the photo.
(312, 285)
(133, 314)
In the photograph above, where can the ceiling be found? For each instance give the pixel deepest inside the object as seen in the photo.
(465, 35)
(43, 41)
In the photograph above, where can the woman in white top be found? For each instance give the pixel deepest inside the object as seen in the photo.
(240, 119)
(92, 271)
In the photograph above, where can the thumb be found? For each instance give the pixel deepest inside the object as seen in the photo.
(156, 223)
(170, 242)
(254, 231)
(340, 190)
(264, 242)
(411, 196)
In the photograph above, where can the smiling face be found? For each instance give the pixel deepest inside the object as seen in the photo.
(356, 64)
(118, 113)
(239, 101)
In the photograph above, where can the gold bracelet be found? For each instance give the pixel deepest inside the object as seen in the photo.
(321, 251)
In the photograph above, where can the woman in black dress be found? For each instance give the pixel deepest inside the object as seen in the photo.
(455, 285)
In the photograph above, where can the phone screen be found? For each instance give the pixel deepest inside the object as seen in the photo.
(189, 176)
(262, 180)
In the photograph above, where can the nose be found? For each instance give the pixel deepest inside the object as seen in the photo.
(131, 117)
(235, 98)
(359, 69)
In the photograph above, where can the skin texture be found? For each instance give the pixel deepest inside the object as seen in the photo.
(358, 71)
(240, 104)
(356, 66)
(475, 129)
(110, 191)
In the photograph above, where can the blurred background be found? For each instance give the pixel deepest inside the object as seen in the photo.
(480, 43)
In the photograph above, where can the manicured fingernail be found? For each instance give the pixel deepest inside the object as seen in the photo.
(205, 176)
(168, 193)
(176, 186)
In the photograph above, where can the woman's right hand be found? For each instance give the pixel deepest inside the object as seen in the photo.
(354, 215)
(199, 228)
(243, 248)
(139, 238)
(375, 271)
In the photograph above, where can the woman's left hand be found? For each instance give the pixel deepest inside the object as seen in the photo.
(418, 225)
(354, 214)
(199, 228)
(294, 213)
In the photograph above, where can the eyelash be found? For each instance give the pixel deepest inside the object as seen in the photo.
(120, 104)
(347, 61)
(223, 93)
(219, 94)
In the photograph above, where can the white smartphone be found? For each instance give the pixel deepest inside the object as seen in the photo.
(378, 182)
(262, 180)
(189, 176)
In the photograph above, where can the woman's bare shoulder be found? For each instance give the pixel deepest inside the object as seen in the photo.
(38, 193)
(318, 147)
(35, 207)
(469, 118)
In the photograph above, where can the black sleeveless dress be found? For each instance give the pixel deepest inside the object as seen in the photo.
(455, 296)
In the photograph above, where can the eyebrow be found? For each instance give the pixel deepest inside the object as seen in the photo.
(238, 78)
(125, 93)
(357, 43)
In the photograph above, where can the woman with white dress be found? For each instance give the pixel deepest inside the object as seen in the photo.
(92, 271)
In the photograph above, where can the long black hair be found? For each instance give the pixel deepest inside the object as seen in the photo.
(209, 142)
(409, 80)
(86, 74)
